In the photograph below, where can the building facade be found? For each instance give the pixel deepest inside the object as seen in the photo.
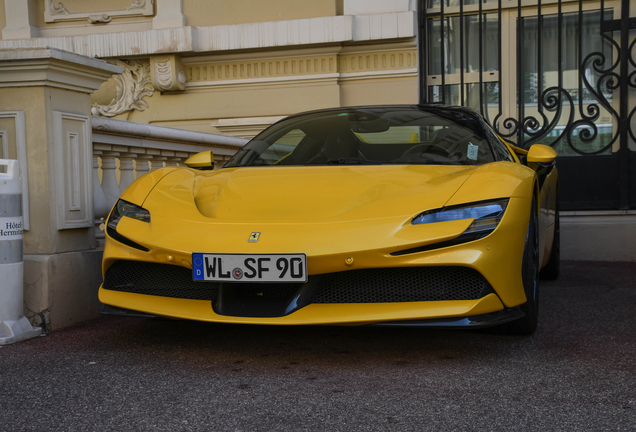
(230, 67)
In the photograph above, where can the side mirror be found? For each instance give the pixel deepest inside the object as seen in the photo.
(203, 161)
(541, 154)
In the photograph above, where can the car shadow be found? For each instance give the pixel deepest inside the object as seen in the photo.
(266, 347)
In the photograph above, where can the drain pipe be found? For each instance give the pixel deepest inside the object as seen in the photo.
(14, 326)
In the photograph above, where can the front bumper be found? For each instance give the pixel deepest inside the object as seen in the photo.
(474, 322)
(497, 257)
(313, 314)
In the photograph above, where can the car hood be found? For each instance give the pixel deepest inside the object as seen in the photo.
(309, 194)
(322, 211)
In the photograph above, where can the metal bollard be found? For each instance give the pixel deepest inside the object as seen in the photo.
(14, 326)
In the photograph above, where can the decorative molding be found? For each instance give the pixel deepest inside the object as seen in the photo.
(382, 74)
(284, 80)
(132, 86)
(53, 13)
(73, 152)
(263, 68)
(20, 143)
(52, 67)
(310, 69)
(260, 36)
(167, 73)
(59, 10)
(302, 67)
(73, 165)
(377, 61)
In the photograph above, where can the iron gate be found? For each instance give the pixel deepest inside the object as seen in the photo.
(560, 73)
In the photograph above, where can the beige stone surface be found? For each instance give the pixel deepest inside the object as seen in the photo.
(43, 236)
(248, 101)
(3, 18)
(62, 286)
(379, 91)
(32, 101)
(222, 12)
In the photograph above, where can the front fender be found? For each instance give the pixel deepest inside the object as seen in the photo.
(496, 180)
(138, 191)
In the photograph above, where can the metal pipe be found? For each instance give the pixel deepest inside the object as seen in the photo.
(443, 51)
(623, 123)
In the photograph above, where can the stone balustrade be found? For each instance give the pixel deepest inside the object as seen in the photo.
(128, 150)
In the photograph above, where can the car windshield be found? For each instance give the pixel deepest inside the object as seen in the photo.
(370, 136)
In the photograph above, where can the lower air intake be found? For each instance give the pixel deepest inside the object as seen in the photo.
(407, 284)
(162, 280)
(386, 285)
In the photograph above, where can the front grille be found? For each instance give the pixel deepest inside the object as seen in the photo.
(385, 285)
(410, 284)
(163, 280)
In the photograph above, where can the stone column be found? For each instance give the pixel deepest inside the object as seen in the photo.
(61, 266)
(109, 178)
(173, 161)
(141, 162)
(126, 170)
(99, 199)
(157, 162)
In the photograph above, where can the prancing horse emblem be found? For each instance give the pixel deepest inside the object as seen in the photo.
(254, 237)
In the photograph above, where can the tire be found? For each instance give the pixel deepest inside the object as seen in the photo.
(552, 268)
(530, 274)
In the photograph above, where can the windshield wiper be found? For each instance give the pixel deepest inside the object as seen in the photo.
(352, 161)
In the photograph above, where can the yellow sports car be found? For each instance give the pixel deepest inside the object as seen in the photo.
(414, 215)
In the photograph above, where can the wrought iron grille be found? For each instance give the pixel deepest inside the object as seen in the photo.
(568, 86)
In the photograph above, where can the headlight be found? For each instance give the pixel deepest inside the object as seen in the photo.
(124, 208)
(486, 214)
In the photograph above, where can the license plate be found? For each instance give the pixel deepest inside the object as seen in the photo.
(249, 267)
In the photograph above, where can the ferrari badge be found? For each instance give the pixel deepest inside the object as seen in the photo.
(254, 237)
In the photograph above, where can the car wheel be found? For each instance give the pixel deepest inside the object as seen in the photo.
(551, 269)
(530, 274)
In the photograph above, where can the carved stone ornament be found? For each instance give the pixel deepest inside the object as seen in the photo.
(132, 86)
(139, 4)
(53, 13)
(59, 10)
(97, 19)
(167, 73)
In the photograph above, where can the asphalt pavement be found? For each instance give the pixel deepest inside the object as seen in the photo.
(578, 372)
